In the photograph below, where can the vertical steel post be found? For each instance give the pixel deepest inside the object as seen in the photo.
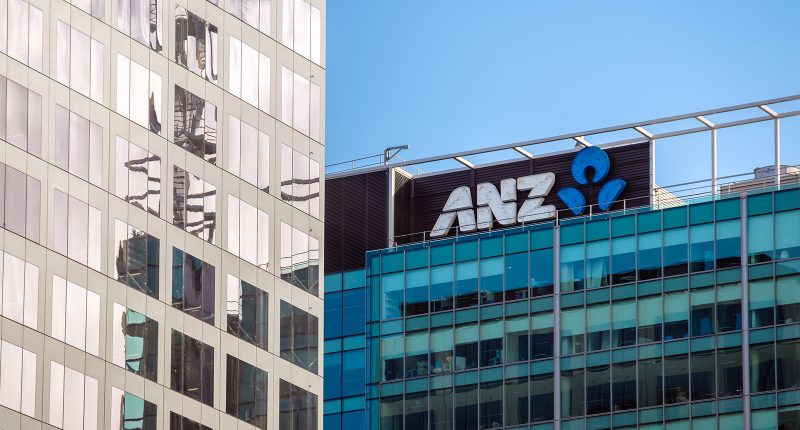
(556, 328)
(390, 209)
(713, 162)
(652, 172)
(745, 316)
(777, 151)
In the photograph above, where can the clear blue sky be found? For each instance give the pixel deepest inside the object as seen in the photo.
(447, 75)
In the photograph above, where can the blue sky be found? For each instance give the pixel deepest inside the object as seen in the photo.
(443, 76)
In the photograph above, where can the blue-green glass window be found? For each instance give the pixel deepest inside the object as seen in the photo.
(762, 367)
(491, 343)
(624, 386)
(491, 270)
(416, 410)
(541, 397)
(676, 378)
(729, 371)
(353, 372)
(765, 419)
(392, 357)
(466, 347)
(416, 258)
(571, 232)
(676, 251)
(762, 302)
(759, 238)
(597, 264)
(517, 339)
(623, 226)
(572, 329)
(353, 311)
(516, 404)
(623, 259)
(598, 327)
(729, 239)
(598, 390)
(141, 344)
(137, 413)
(332, 389)
(572, 398)
(466, 407)
(392, 287)
(729, 307)
(248, 312)
(650, 319)
(675, 217)
(703, 375)
(491, 408)
(466, 284)
(572, 275)
(676, 315)
(442, 351)
(650, 255)
(702, 311)
(516, 268)
(467, 250)
(392, 262)
(787, 235)
(542, 336)
(788, 297)
(702, 247)
(441, 288)
(416, 354)
(542, 272)
(651, 382)
(391, 413)
(624, 323)
(416, 292)
(788, 369)
(333, 315)
(441, 254)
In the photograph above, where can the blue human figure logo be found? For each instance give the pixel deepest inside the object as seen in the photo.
(597, 159)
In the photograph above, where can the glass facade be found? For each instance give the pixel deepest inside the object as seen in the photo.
(684, 317)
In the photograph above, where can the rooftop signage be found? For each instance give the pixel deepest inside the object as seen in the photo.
(502, 206)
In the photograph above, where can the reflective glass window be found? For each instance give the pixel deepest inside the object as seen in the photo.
(762, 302)
(416, 289)
(541, 399)
(541, 272)
(248, 153)
(297, 407)
(572, 393)
(787, 234)
(491, 348)
(196, 46)
(193, 285)
(466, 347)
(650, 319)
(441, 347)
(788, 297)
(760, 240)
(598, 389)
(624, 323)
(676, 316)
(729, 307)
(597, 264)
(17, 367)
(517, 339)
(391, 412)
(542, 336)
(178, 422)
(702, 311)
(391, 357)
(20, 116)
(75, 315)
(82, 236)
(624, 386)
(20, 290)
(651, 382)
(136, 258)
(466, 284)
(703, 375)
(729, 371)
(246, 388)
(441, 289)
(138, 94)
(248, 312)
(466, 407)
(192, 368)
(491, 406)
(491, 281)
(623, 259)
(73, 398)
(194, 207)
(676, 379)
(572, 330)
(21, 32)
(729, 243)
(300, 178)
(132, 412)
(79, 146)
(195, 125)
(138, 176)
(135, 342)
(572, 271)
(353, 372)
(141, 20)
(301, 29)
(598, 327)
(299, 333)
(250, 73)
(417, 355)
(702, 247)
(80, 66)
(354, 312)
(762, 367)
(441, 409)
(787, 364)
(649, 255)
(516, 276)
(298, 97)
(300, 260)
(248, 234)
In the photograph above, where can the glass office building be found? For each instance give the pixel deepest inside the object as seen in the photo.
(160, 196)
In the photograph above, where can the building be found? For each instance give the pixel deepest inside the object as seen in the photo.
(160, 202)
(620, 303)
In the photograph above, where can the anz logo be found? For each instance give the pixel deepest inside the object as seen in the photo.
(501, 206)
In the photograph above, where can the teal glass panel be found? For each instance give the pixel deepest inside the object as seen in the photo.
(701, 247)
(598, 327)
(416, 293)
(571, 233)
(597, 230)
(729, 307)
(491, 285)
(392, 357)
(649, 255)
(416, 354)
(702, 311)
(729, 239)
(758, 204)
(597, 264)
(572, 393)
(704, 423)
(392, 262)
(651, 317)
(675, 217)
(624, 323)
(467, 250)
(541, 238)
(623, 259)
(441, 290)
(517, 339)
(788, 299)
(787, 200)
(762, 367)
(333, 282)
(541, 272)
(676, 315)
(491, 247)
(572, 330)
(417, 258)
(730, 421)
(787, 234)
(466, 284)
(766, 419)
(392, 288)
(466, 337)
(517, 242)
(572, 272)
(701, 213)
(676, 251)
(516, 276)
(441, 254)
(762, 301)
(649, 221)
(728, 209)
(354, 279)
(623, 226)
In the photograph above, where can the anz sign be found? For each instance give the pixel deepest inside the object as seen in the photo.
(501, 206)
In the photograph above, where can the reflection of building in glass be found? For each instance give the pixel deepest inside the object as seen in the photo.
(195, 125)
(299, 259)
(137, 259)
(194, 208)
(196, 44)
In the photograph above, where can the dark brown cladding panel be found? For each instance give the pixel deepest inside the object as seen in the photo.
(355, 219)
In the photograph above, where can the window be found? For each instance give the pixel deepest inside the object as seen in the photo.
(788, 369)
(299, 259)
(676, 316)
(299, 337)
(441, 288)
(298, 408)
(138, 176)
(416, 288)
(96, 8)
(302, 29)
(20, 116)
(141, 20)
(392, 357)
(491, 280)
(248, 233)
(676, 251)
(541, 400)
(417, 354)
(195, 205)
(256, 13)
(649, 255)
(248, 153)
(729, 307)
(301, 103)
(788, 296)
(762, 300)
(760, 240)
(541, 272)
(79, 62)
(138, 94)
(70, 392)
(624, 386)
(177, 422)
(572, 273)
(598, 389)
(542, 336)
(517, 339)
(192, 368)
(135, 342)
(136, 258)
(196, 44)
(466, 409)
(132, 412)
(247, 312)
(702, 247)
(441, 409)
(466, 347)
(250, 75)
(762, 367)
(246, 387)
(195, 125)
(300, 181)
(572, 329)
(787, 234)
(466, 284)
(17, 378)
(729, 371)
(79, 146)
(676, 378)
(193, 283)
(598, 327)
(76, 316)
(703, 375)
(572, 393)
(623, 259)
(491, 405)
(20, 286)
(77, 229)
(21, 32)
(20, 202)
(597, 264)
(651, 382)
(650, 318)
